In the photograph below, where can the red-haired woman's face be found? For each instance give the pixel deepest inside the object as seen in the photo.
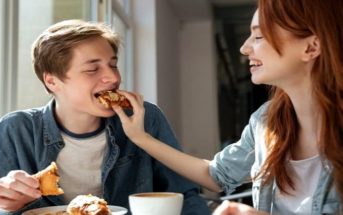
(267, 66)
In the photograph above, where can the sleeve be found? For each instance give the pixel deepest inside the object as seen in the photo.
(8, 155)
(16, 143)
(15, 153)
(164, 178)
(232, 166)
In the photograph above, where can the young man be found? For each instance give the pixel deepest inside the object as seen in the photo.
(75, 61)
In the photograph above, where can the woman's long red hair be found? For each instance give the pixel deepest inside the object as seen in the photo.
(304, 18)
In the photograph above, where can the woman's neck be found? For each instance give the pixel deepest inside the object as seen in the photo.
(308, 116)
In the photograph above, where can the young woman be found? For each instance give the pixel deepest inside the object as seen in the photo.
(292, 147)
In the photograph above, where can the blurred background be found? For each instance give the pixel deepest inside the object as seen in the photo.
(182, 55)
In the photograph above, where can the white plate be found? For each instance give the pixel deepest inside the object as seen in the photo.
(116, 210)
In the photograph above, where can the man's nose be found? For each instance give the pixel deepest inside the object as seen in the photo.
(110, 75)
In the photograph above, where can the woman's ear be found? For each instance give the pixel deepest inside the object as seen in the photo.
(312, 50)
(50, 81)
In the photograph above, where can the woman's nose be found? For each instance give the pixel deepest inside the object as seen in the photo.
(245, 48)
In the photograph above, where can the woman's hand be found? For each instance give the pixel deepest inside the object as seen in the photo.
(134, 125)
(17, 189)
(234, 208)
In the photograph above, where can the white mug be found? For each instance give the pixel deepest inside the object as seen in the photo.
(156, 203)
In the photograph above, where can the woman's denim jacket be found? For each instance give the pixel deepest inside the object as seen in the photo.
(241, 161)
(30, 140)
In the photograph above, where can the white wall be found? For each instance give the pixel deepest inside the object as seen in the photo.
(145, 55)
(175, 68)
(200, 132)
(168, 66)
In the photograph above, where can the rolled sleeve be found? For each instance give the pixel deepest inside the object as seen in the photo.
(232, 166)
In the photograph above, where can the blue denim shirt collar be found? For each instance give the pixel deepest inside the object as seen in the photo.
(51, 133)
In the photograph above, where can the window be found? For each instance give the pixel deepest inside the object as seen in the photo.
(118, 16)
(2, 55)
(8, 54)
(30, 25)
(19, 86)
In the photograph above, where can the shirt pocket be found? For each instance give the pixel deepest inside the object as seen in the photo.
(331, 207)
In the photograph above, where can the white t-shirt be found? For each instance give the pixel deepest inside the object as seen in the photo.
(305, 175)
(79, 164)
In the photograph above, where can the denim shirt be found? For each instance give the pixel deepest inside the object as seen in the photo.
(239, 162)
(31, 140)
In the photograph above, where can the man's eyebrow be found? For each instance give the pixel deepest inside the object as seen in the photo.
(97, 60)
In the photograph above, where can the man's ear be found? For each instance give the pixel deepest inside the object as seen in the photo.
(51, 81)
(312, 50)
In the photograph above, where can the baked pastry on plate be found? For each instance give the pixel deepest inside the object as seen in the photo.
(88, 205)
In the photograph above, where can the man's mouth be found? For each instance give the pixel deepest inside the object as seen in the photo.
(102, 92)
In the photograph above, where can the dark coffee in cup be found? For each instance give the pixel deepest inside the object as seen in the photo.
(155, 194)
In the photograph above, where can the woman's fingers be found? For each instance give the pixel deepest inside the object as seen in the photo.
(136, 100)
(120, 112)
(133, 125)
(234, 208)
(223, 209)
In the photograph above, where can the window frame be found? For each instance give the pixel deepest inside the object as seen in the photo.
(124, 14)
(9, 55)
(101, 10)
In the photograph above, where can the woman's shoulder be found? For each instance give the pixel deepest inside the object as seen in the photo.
(261, 113)
(262, 109)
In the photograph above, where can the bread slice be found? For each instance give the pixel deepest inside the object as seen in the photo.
(110, 98)
(48, 180)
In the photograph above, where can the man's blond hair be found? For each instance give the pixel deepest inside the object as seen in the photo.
(52, 51)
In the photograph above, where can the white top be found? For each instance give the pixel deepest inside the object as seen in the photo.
(305, 175)
(79, 165)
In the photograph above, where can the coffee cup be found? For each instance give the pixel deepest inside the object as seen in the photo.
(156, 203)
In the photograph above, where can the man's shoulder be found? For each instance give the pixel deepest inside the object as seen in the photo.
(22, 116)
(150, 107)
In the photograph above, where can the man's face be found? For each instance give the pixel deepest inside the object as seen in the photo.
(93, 68)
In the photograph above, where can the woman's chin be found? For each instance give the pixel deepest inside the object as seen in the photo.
(256, 81)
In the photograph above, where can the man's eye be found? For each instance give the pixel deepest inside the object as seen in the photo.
(92, 70)
(114, 66)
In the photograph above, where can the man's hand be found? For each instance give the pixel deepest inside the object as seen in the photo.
(233, 208)
(17, 189)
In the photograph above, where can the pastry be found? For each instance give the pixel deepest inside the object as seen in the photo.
(48, 180)
(109, 98)
(88, 205)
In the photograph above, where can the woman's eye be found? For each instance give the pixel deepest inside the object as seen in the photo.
(258, 38)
